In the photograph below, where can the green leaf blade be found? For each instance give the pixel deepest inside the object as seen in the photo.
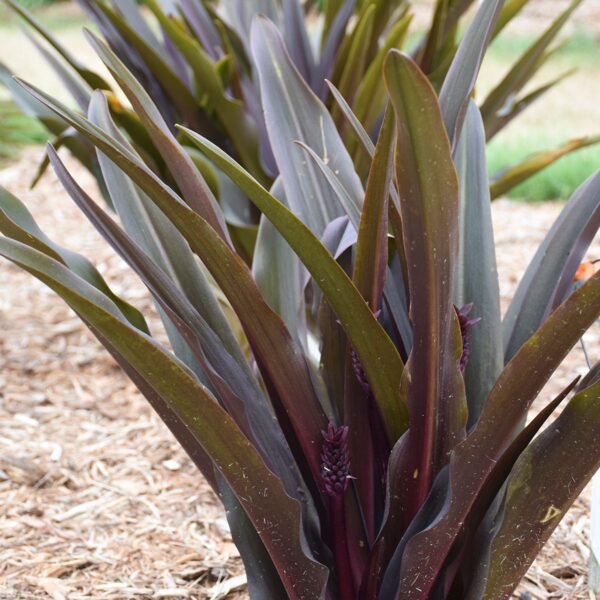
(379, 356)
(428, 190)
(294, 114)
(543, 484)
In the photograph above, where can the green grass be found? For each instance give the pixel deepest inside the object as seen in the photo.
(35, 3)
(17, 130)
(56, 16)
(557, 181)
(581, 47)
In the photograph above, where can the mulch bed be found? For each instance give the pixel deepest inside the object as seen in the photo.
(96, 499)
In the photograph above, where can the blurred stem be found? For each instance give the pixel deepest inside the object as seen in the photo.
(343, 566)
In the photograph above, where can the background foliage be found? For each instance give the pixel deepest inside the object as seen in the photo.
(581, 51)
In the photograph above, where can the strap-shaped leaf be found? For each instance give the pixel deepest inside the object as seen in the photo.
(462, 75)
(172, 109)
(296, 37)
(515, 107)
(471, 549)
(428, 190)
(370, 267)
(130, 10)
(361, 133)
(523, 70)
(516, 388)
(262, 576)
(240, 14)
(510, 177)
(378, 354)
(231, 113)
(331, 8)
(277, 271)
(439, 44)
(536, 289)
(151, 230)
(544, 483)
(350, 206)
(369, 150)
(82, 151)
(371, 95)
(332, 37)
(30, 106)
(174, 87)
(193, 187)
(509, 11)
(295, 397)
(396, 295)
(293, 113)
(371, 247)
(72, 81)
(356, 63)
(386, 12)
(489, 490)
(16, 222)
(476, 273)
(176, 426)
(276, 516)
(234, 383)
(202, 25)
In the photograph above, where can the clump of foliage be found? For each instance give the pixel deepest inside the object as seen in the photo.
(365, 430)
(196, 61)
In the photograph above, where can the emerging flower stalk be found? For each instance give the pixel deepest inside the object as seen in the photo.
(335, 472)
(465, 331)
(360, 374)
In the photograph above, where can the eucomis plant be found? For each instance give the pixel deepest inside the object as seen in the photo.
(363, 418)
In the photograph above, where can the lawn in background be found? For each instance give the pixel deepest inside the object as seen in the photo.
(17, 130)
(568, 111)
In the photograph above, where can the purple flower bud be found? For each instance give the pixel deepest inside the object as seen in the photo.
(335, 457)
(465, 331)
(361, 376)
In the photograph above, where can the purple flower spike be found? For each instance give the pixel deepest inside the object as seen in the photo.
(335, 457)
(465, 331)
